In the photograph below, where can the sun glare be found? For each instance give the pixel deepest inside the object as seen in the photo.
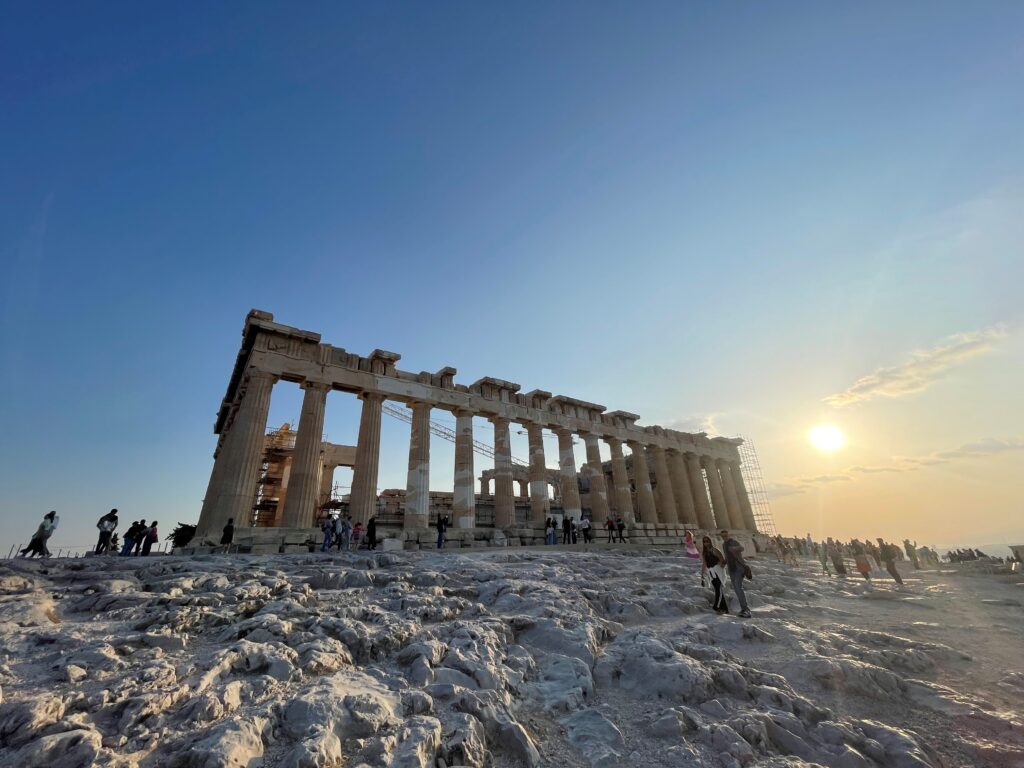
(826, 437)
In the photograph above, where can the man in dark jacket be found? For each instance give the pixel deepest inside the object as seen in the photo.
(371, 533)
(442, 527)
(737, 568)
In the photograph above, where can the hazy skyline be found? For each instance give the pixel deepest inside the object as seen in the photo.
(749, 218)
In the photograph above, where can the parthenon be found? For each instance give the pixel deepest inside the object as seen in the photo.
(670, 480)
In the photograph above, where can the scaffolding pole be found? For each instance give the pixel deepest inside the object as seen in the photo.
(439, 429)
(751, 469)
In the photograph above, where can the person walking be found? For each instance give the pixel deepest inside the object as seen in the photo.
(345, 542)
(566, 529)
(738, 570)
(889, 554)
(911, 551)
(609, 524)
(712, 566)
(823, 558)
(442, 527)
(129, 539)
(140, 534)
(357, 535)
(585, 527)
(575, 530)
(37, 544)
(106, 525)
(551, 531)
(620, 528)
(227, 535)
(690, 547)
(371, 533)
(327, 526)
(150, 537)
(837, 557)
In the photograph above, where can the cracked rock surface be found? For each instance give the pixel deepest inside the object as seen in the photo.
(499, 658)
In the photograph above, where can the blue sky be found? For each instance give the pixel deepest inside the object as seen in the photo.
(682, 210)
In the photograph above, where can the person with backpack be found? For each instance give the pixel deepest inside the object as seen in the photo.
(371, 532)
(620, 527)
(738, 570)
(149, 538)
(442, 527)
(129, 538)
(140, 534)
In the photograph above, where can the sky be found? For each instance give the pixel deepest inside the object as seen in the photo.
(750, 218)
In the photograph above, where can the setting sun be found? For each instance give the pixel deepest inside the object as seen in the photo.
(826, 437)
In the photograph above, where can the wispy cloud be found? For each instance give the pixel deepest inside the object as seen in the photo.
(923, 368)
(979, 449)
(706, 422)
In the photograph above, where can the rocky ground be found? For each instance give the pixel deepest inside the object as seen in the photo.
(500, 658)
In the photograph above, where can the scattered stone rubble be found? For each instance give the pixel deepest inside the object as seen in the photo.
(416, 660)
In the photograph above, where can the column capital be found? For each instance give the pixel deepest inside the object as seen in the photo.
(372, 397)
(463, 412)
(503, 421)
(613, 443)
(316, 386)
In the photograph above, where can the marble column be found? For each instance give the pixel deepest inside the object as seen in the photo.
(540, 506)
(595, 479)
(232, 489)
(570, 485)
(746, 507)
(304, 481)
(642, 478)
(363, 503)
(485, 486)
(326, 484)
(620, 481)
(417, 487)
(705, 519)
(666, 499)
(685, 509)
(464, 493)
(732, 502)
(718, 505)
(504, 499)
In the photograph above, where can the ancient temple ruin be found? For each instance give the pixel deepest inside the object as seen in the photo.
(276, 487)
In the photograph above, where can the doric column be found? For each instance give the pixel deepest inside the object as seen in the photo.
(417, 487)
(681, 488)
(705, 519)
(232, 488)
(504, 500)
(620, 480)
(732, 502)
(485, 486)
(595, 479)
(304, 480)
(363, 503)
(464, 494)
(718, 505)
(741, 492)
(567, 466)
(642, 478)
(326, 483)
(540, 506)
(666, 499)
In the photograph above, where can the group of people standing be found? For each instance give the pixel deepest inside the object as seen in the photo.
(341, 533)
(138, 539)
(573, 530)
(883, 553)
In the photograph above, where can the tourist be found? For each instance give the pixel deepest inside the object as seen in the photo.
(620, 527)
(911, 550)
(566, 530)
(610, 525)
(860, 560)
(889, 554)
(713, 565)
(738, 570)
(327, 526)
(106, 524)
(149, 538)
(690, 547)
(823, 557)
(837, 557)
(551, 531)
(442, 527)
(37, 544)
(357, 534)
(371, 532)
(227, 535)
(129, 539)
(345, 539)
(574, 530)
(585, 527)
(140, 534)
(872, 550)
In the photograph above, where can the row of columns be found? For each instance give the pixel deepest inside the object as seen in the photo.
(680, 484)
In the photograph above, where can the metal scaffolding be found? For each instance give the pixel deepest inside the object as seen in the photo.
(751, 469)
(439, 429)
